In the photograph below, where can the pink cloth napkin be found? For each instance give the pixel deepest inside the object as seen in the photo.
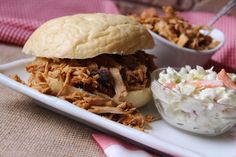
(19, 18)
(113, 147)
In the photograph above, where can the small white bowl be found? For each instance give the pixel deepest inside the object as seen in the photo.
(170, 54)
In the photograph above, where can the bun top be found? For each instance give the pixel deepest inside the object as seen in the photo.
(84, 36)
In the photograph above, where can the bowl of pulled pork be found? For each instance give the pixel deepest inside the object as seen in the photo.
(177, 42)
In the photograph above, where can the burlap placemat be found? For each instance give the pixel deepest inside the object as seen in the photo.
(29, 130)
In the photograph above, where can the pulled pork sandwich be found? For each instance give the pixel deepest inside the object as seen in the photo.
(95, 61)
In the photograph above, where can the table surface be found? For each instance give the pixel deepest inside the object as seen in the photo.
(30, 130)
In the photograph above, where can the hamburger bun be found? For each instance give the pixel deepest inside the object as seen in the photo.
(84, 36)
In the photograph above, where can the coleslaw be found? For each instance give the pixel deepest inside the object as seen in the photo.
(197, 100)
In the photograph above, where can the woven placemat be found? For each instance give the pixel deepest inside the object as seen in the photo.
(29, 130)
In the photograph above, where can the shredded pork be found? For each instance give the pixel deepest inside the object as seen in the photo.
(97, 85)
(120, 88)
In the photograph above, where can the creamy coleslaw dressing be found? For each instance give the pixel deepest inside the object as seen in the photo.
(195, 100)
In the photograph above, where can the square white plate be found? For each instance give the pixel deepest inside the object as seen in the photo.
(160, 137)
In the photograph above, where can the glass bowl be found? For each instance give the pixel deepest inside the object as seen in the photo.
(190, 114)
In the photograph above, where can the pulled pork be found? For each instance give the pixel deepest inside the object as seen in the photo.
(97, 85)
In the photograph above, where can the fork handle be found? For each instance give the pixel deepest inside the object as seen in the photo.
(226, 9)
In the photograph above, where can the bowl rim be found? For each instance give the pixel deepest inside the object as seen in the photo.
(188, 50)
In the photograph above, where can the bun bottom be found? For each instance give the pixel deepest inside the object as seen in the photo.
(139, 97)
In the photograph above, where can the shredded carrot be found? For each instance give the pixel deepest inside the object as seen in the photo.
(199, 84)
(223, 76)
(170, 85)
(207, 84)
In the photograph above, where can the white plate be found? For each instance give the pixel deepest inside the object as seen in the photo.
(161, 137)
